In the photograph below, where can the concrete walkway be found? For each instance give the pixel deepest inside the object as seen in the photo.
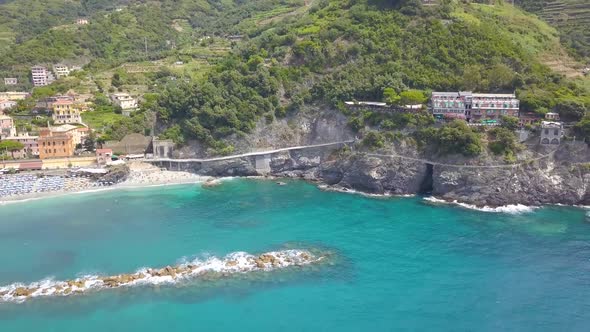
(250, 154)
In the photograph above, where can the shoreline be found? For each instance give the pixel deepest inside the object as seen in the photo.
(146, 176)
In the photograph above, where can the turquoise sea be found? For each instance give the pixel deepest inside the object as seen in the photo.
(400, 264)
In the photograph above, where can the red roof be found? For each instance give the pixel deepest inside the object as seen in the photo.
(83, 129)
(104, 150)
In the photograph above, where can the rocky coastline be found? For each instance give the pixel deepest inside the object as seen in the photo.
(559, 176)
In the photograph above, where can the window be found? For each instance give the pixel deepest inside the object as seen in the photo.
(546, 131)
(556, 132)
(54, 151)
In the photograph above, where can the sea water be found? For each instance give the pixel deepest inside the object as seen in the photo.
(397, 263)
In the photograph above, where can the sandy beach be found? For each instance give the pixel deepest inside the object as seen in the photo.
(140, 175)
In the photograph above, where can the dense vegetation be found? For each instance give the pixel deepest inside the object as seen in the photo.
(372, 50)
(321, 52)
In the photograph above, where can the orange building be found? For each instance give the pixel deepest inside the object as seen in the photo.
(55, 145)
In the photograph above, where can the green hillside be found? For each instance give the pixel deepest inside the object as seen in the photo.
(344, 50)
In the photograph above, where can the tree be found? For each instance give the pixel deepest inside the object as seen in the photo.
(501, 77)
(11, 146)
(509, 122)
(89, 144)
(412, 97)
(503, 141)
(390, 96)
(457, 137)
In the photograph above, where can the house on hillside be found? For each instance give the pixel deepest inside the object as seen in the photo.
(551, 133)
(7, 127)
(61, 70)
(10, 81)
(483, 108)
(41, 76)
(6, 104)
(81, 21)
(65, 111)
(127, 103)
(14, 95)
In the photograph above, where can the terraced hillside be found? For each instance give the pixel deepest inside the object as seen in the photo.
(571, 17)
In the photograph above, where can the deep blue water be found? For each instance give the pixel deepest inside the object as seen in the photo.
(400, 263)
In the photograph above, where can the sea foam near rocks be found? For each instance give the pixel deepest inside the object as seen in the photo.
(512, 209)
(238, 262)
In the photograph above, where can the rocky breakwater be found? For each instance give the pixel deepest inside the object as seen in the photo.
(212, 268)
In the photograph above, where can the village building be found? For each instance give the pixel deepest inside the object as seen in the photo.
(528, 118)
(41, 76)
(103, 156)
(450, 105)
(79, 134)
(30, 146)
(6, 104)
(10, 81)
(6, 126)
(125, 101)
(14, 95)
(81, 21)
(551, 133)
(486, 108)
(55, 144)
(61, 70)
(65, 111)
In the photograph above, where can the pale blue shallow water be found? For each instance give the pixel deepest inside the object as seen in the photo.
(401, 264)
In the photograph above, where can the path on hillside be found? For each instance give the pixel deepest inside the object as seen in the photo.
(257, 153)
(392, 155)
(426, 161)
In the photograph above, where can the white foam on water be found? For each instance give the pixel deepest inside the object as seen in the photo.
(237, 262)
(512, 209)
(356, 192)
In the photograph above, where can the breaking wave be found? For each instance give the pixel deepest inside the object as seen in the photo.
(238, 262)
(512, 209)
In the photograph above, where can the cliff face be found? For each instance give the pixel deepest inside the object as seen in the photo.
(542, 175)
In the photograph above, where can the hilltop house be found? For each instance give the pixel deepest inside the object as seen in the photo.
(41, 76)
(81, 21)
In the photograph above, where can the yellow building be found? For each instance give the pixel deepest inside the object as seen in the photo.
(66, 111)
